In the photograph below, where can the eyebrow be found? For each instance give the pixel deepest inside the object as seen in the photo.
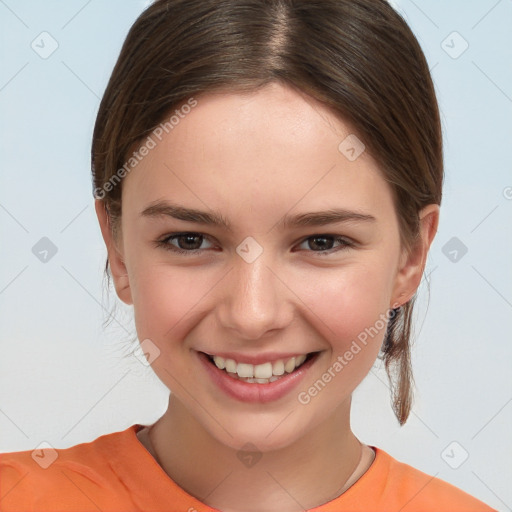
(331, 216)
(166, 209)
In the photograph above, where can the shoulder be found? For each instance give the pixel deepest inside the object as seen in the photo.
(52, 479)
(415, 490)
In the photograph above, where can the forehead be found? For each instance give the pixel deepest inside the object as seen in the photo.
(272, 148)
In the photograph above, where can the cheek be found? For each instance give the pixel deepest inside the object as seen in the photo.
(350, 309)
(348, 303)
(167, 300)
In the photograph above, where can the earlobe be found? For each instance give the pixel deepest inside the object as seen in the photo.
(412, 266)
(115, 257)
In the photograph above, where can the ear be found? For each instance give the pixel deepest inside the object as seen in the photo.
(115, 257)
(413, 262)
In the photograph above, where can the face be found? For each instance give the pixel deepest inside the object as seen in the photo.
(253, 248)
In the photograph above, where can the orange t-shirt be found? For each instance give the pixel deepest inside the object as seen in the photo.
(115, 473)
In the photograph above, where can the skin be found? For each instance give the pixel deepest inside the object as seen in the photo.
(254, 158)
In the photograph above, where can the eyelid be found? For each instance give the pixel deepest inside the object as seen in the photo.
(164, 242)
(346, 242)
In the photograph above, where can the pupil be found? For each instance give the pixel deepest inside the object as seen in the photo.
(321, 243)
(190, 242)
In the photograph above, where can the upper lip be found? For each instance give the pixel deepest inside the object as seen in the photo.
(257, 358)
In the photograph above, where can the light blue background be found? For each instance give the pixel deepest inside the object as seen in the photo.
(63, 377)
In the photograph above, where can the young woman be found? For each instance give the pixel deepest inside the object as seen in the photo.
(267, 176)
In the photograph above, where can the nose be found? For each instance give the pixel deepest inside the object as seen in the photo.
(254, 301)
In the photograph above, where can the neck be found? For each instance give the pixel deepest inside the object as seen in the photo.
(315, 469)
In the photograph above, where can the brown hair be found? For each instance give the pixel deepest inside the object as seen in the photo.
(358, 57)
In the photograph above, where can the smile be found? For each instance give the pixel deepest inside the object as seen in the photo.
(265, 381)
(260, 373)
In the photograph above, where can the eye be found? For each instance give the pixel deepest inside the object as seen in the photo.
(185, 242)
(325, 244)
(191, 243)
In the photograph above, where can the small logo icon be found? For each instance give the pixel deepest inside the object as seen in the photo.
(454, 249)
(454, 455)
(351, 147)
(249, 455)
(44, 45)
(454, 45)
(146, 352)
(507, 192)
(45, 455)
(249, 250)
(44, 250)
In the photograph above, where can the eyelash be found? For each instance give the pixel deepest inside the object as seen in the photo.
(166, 245)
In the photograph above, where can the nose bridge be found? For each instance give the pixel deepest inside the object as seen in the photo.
(254, 300)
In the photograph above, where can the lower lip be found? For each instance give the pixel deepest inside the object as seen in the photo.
(253, 392)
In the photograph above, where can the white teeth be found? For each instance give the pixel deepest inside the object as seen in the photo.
(230, 366)
(220, 362)
(278, 367)
(263, 371)
(289, 365)
(300, 359)
(259, 373)
(245, 370)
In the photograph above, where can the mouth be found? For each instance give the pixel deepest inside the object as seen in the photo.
(263, 373)
(266, 381)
